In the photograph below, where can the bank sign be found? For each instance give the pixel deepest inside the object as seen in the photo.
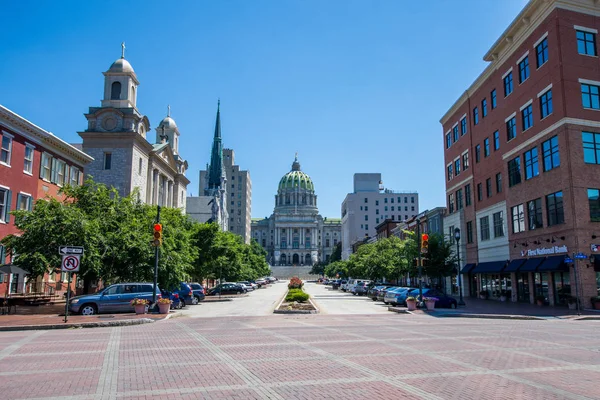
(544, 251)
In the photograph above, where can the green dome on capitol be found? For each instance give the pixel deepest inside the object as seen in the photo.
(296, 179)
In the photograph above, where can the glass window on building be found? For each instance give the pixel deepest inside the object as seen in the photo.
(493, 98)
(518, 218)
(590, 96)
(488, 187)
(469, 231)
(552, 154)
(531, 163)
(496, 140)
(459, 200)
(534, 214)
(524, 69)
(468, 194)
(455, 133)
(457, 166)
(484, 223)
(465, 160)
(586, 43)
(546, 104)
(486, 147)
(463, 126)
(479, 192)
(514, 171)
(498, 224)
(541, 52)
(475, 116)
(499, 182)
(591, 147)
(594, 203)
(508, 84)
(477, 153)
(483, 107)
(527, 117)
(554, 208)
(511, 129)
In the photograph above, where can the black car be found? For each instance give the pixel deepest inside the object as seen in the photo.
(226, 288)
(198, 291)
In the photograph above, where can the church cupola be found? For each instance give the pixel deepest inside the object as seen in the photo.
(120, 84)
(167, 128)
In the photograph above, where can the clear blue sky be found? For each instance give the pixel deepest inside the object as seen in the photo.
(352, 86)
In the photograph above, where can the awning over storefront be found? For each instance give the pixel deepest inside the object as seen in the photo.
(467, 268)
(531, 264)
(489, 267)
(514, 265)
(553, 263)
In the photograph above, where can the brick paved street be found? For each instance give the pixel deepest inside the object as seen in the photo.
(307, 357)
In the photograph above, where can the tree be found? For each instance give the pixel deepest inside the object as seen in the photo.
(441, 257)
(336, 255)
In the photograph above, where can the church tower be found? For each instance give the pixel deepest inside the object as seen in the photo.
(216, 176)
(167, 130)
(120, 84)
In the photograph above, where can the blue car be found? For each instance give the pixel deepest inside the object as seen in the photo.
(114, 298)
(198, 291)
(444, 301)
(186, 295)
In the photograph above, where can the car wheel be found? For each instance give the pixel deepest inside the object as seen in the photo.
(453, 305)
(195, 300)
(88, 309)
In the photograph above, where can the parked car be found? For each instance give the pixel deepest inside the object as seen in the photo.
(261, 282)
(338, 283)
(198, 291)
(444, 301)
(246, 285)
(176, 303)
(226, 288)
(382, 292)
(349, 284)
(373, 292)
(397, 296)
(271, 279)
(360, 288)
(185, 292)
(114, 298)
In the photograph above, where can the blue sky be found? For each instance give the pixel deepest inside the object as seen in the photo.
(352, 86)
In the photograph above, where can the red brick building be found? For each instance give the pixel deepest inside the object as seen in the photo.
(34, 163)
(522, 156)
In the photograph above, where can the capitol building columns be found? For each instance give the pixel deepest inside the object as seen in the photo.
(294, 235)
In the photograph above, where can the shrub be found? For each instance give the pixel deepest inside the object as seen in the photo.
(297, 295)
(295, 283)
(411, 298)
(139, 302)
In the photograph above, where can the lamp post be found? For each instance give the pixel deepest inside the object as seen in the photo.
(461, 302)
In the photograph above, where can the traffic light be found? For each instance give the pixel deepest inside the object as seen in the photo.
(424, 243)
(157, 241)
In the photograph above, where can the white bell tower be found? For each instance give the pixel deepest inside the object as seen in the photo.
(120, 84)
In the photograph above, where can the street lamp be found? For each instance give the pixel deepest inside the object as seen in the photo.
(461, 302)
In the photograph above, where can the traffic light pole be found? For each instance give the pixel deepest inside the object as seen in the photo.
(420, 265)
(155, 262)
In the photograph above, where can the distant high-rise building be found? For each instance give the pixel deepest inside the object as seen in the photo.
(370, 205)
(239, 195)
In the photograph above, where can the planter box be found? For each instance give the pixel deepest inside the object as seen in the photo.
(411, 305)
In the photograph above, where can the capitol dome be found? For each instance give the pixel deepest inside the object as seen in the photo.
(296, 179)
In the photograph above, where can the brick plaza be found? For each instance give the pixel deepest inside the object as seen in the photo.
(307, 357)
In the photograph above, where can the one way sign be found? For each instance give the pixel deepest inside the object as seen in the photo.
(65, 250)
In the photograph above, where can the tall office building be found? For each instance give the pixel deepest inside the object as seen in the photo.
(371, 204)
(239, 195)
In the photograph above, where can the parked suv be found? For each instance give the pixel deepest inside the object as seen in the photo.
(114, 298)
(199, 292)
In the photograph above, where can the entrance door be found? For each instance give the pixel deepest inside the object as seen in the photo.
(295, 259)
(523, 287)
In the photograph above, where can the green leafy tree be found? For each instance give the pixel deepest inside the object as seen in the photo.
(441, 257)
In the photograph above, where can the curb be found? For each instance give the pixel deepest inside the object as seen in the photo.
(398, 310)
(104, 324)
(590, 318)
(491, 316)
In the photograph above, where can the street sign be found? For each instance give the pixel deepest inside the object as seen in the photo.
(581, 256)
(568, 260)
(70, 250)
(70, 263)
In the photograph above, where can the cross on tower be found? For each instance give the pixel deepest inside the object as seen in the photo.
(123, 50)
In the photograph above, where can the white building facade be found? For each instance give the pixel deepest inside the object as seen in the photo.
(369, 205)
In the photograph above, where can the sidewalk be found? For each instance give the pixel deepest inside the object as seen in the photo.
(40, 321)
(477, 308)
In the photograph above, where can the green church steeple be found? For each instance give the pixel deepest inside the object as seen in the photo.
(215, 170)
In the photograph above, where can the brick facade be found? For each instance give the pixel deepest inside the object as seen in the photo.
(542, 23)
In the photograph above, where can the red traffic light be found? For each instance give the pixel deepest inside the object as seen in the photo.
(424, 236)
(157, 227)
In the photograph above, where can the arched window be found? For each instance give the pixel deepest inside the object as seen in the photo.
(132, 94)
(115, 91)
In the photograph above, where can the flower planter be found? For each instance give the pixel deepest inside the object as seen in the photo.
(411, 305)
(140, 309)
(430, 305)
(163, 308)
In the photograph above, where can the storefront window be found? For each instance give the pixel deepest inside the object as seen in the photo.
(523, 287)
(562, 287)
(496, 285)
(541, 285)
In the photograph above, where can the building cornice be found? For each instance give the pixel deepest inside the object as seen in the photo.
(520, 29)
(41, 136)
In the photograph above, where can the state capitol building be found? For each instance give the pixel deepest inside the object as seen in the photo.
(295, 234)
